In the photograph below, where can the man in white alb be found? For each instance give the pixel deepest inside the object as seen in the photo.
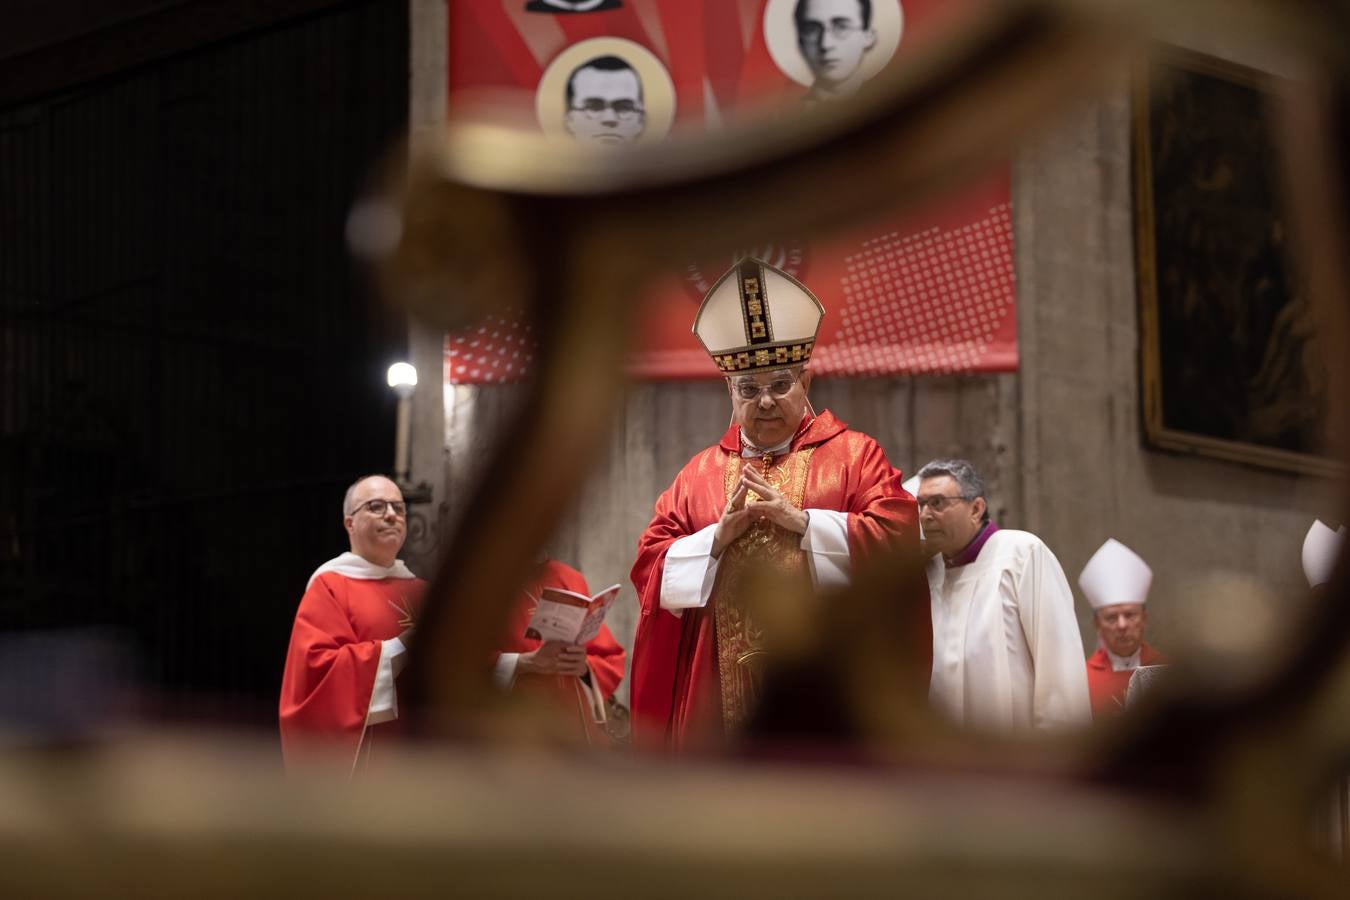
(1007, 654)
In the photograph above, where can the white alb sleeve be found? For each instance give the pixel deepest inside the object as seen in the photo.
(826, 546)
(504, 672)
(689, 573)
(1045, 606)
(383, 697)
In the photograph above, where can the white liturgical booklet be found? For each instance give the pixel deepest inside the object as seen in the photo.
(568, 616)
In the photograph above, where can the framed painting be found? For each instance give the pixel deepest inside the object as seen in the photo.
(1230, 362)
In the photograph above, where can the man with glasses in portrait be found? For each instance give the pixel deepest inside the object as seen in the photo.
(604, 102)
(348, 643)
(834, 36)
(1007, 653)
(787, 502)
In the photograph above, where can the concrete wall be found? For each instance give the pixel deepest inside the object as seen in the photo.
(426, 110)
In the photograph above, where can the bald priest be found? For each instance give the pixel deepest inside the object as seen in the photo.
(348, 641)
(786, 491)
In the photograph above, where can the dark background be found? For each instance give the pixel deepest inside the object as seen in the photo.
(191, 366)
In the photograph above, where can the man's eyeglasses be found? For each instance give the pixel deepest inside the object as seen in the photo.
(624, 108)
(939, 503)
(380, 507)
(812, 32)
(749, 390)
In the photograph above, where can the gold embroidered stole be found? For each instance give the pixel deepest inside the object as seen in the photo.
(764, 549)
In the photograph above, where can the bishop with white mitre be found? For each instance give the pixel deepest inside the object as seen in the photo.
(785, 491)
(1116, 581)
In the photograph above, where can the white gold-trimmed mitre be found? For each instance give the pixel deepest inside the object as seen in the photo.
(757, 318)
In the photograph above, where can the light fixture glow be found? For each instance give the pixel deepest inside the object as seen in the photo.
(402, 374)
(403, 378)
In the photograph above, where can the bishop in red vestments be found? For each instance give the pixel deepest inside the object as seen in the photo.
(784, 490)
(347, 644)
(1116, 581)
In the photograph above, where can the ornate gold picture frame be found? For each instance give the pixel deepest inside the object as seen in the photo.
(1230, 364)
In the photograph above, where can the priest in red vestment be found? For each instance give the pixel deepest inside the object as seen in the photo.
(1116, 583)
(347, 644)
(786, 492)
(580, 680)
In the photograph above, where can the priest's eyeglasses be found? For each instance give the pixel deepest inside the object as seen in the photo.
(940, 502)
(380, 507)
(749, 390)
(624, 108)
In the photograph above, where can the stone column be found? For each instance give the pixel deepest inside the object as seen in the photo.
(426, 109)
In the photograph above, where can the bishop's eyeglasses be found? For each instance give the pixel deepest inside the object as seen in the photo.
(749, 390)
(380, 507)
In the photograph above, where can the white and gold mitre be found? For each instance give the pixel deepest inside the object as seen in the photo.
(1114, 575)
(757, 318)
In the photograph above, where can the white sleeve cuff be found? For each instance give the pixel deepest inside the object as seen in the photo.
(383, 697)
(504, 672)
(689, 573)
(826, 546)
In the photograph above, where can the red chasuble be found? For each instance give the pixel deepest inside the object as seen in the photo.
(1107, 687)
(333, 657)
(679, 688)
(604, 655)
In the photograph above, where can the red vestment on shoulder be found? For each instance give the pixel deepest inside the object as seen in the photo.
(604, 655)
(676, 685)
(334, 654)
(1107, 687)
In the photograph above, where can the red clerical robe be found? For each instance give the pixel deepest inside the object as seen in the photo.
(334, 656)
(1107, 687)
(681, 690)
(604, 655)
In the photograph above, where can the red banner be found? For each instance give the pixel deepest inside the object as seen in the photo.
(926, 292)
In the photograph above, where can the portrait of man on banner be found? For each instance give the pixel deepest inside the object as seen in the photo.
(604, 102)
(832, 46)
(606, 91)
